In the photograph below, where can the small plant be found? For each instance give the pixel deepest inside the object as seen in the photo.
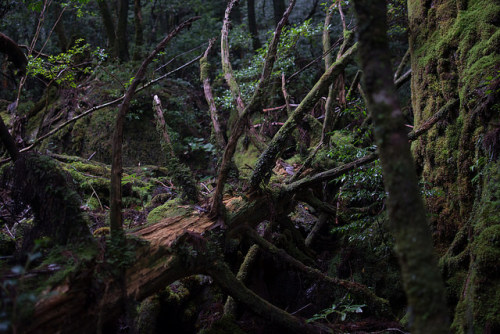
(337, 312)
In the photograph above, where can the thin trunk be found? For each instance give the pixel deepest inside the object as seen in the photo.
(139, 36)
(121, 42)
(330, 100)
(162, 126)
(278, 10)
(214, 115)
(252, 25)
(408, 222)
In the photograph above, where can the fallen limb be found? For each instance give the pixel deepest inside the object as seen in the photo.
(433, 119)
(220, 272)
(376, 304)
(245, 267)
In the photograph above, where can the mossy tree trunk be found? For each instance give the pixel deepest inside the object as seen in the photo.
(421, 278)
(454, 55)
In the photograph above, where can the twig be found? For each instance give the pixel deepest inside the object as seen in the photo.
(312, 62)
(279, 107)
(9, 232)
(179, 55)
(96, 196)
(402, 64)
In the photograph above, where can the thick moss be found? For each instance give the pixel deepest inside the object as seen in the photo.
(147, 313)
(454, 49)
(478, 310)
(172, 208)
(245, 159)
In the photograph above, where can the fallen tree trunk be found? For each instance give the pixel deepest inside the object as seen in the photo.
(174, 248)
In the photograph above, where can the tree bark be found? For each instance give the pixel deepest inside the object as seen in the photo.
(207, 89)
(408, 223)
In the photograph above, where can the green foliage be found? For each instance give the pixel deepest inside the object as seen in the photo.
(199, 144)
(64, 67)
(337, 312)
(120, 253)
(250, 71)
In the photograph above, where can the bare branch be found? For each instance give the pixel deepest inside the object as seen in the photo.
(402, 65)
(226, 63)
(214, 115)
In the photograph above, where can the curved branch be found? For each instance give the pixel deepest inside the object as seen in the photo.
(14, 52)
(220, 272)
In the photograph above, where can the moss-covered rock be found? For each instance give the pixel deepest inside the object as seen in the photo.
(147, 313)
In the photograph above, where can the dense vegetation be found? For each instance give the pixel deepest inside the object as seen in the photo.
(331, 167)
